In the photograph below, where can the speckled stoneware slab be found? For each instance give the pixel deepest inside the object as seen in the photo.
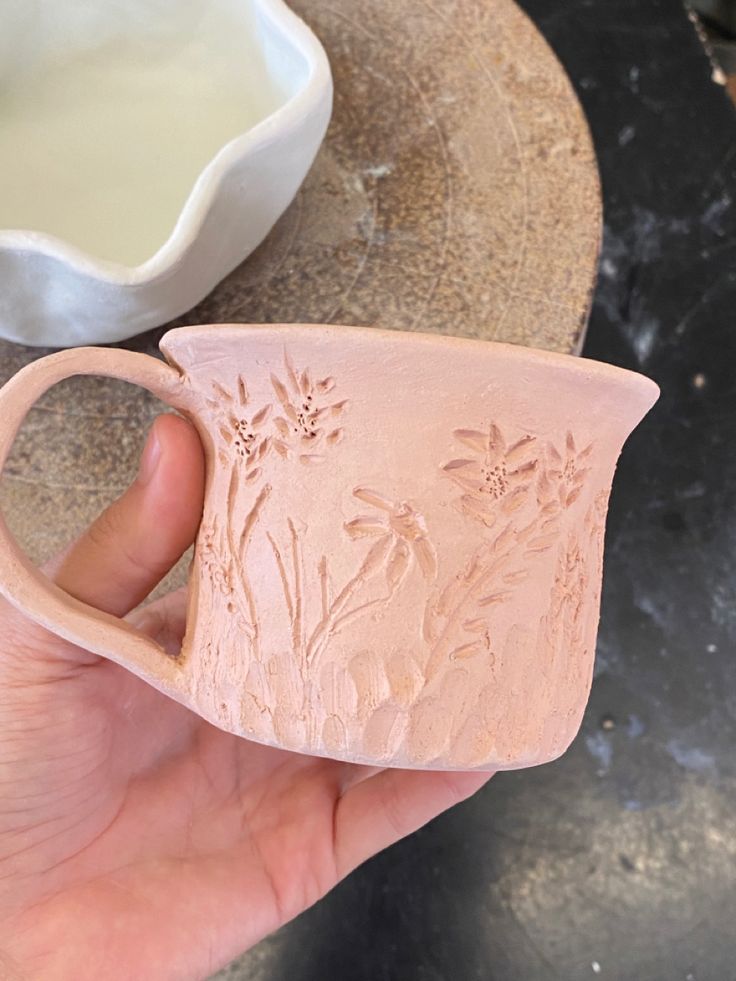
(456, 193)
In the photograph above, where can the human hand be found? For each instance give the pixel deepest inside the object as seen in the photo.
(137, 840)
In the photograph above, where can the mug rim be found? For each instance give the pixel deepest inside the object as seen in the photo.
(575, 364)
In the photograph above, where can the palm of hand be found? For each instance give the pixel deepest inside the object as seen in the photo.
(136, 840)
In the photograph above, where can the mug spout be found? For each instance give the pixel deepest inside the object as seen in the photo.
(618, 400)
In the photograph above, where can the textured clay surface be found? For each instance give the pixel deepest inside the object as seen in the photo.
(400, 556)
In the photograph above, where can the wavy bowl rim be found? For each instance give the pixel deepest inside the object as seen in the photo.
(314, 92)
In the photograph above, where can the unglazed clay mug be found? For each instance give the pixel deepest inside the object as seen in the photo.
(399, 560)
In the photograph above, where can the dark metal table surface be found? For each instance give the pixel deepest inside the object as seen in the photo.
(618, 861)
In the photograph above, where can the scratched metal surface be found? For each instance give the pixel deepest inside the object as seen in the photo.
(456, 192)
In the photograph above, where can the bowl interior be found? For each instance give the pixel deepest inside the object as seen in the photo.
(110, 112)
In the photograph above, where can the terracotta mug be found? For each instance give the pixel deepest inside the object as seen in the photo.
(399, 561)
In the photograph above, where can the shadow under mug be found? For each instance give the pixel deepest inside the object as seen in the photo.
(399, 560)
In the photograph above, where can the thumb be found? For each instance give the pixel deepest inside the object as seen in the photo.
(131, 546)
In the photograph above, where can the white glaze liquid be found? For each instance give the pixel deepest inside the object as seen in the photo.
(102, 148)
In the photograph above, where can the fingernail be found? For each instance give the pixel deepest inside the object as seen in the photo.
(150, 458)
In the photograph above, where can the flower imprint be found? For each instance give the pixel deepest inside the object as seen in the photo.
(566, 471)
(308, 424)
(241, 432)
(497, 477)
(402, 529)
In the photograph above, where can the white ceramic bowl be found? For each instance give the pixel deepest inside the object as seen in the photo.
(54, 293)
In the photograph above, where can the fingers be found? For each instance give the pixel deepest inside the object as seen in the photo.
(134, 543)
(378, 812)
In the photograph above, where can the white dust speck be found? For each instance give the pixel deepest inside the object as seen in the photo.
(715, 211)
(608, 268)
(600, 748)
(643, 340)
(635, 727)
(694, 490)
(380, 170)
(653, 610)
(690, 757)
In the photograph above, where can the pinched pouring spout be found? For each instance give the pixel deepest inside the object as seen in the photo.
(399, 560)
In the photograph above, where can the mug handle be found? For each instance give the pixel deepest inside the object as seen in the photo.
(23, 584)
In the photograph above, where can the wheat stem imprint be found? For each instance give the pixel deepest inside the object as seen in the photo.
(332, 615)
(298, 639)
(244, 449)
(498, 480)
(325, 628)
(284, 579)
(477, 576)
(401, 539)
(242, 569)
(324, 582)
(358, 611)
